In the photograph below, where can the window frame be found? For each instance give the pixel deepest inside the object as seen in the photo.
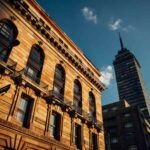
(27, 113)
(77, 96)
(77, 135)
(92, 105)
(56, 125)
(6, 42)
(36, 67)
(59, 82)
(94, 142)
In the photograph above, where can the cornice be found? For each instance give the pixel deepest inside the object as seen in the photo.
(38, 24)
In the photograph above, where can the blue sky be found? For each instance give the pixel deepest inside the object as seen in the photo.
(94, 24)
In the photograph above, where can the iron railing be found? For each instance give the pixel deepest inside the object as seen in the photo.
(34, 78)
(96, 122)
(59, 97)
(55, 95)
(8, 64)
(40, 24)
(77, 109)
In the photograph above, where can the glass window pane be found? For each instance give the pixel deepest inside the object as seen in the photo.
(54, 125)
(3, 52)
(20, 116)
(52, 131)
(23, 104)
(114, 140)
(53, 119)
(128, 125)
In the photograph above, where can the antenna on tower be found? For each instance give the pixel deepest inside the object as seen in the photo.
(121, 42)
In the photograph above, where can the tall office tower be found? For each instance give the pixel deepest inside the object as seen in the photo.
(129, 79)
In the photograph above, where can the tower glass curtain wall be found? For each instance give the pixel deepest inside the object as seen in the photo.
(129, 80)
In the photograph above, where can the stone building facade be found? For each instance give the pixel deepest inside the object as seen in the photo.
(50, 93)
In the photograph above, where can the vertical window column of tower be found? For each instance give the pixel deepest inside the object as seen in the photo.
(25, 110)
(54, 125)
(77, 97)
(59, 82)
(8, 34)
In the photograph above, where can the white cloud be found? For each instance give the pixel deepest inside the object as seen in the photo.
(128, 28)
(107, 75)
(115, 25)
(89, 14)
(118, 24)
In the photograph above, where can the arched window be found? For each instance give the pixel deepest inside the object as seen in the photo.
(59, 81)
(77, 96)
(8, 35)
(35, 63)
(92, 105)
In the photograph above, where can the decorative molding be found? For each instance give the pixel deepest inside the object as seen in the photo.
(52, 38)
(40, 43)
(61, 61)
(27, 132)
(12, 18)
(78, 77)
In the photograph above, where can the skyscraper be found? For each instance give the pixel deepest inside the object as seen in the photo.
(129, 79)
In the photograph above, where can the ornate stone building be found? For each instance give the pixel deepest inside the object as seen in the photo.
(50, 93)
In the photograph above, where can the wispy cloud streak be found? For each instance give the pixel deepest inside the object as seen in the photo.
(89, 14)
(118, 24)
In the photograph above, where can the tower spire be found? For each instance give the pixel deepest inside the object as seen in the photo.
(121, 42)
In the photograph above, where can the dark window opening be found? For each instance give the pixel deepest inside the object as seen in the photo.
(92, 105)
(77, 96)
(54, 125)
(35, 64)
(25, 110)
(94, 142)
(77, 136)
(59, 82)
(8, 34)
(130, 136)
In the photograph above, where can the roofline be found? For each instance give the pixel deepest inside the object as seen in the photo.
(60, 31)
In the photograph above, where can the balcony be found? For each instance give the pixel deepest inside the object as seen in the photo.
(52, 38)
(77, 109)
(53, 95)
(34, 82)
(9, 65)
(57, 98)
(97, 124)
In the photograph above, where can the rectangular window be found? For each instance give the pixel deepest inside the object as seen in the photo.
(77, 136)
(94, 142)
(127, 115)
(54, 126)
(130, 136)
(25, 110)
(132, 147)
(128, 125)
